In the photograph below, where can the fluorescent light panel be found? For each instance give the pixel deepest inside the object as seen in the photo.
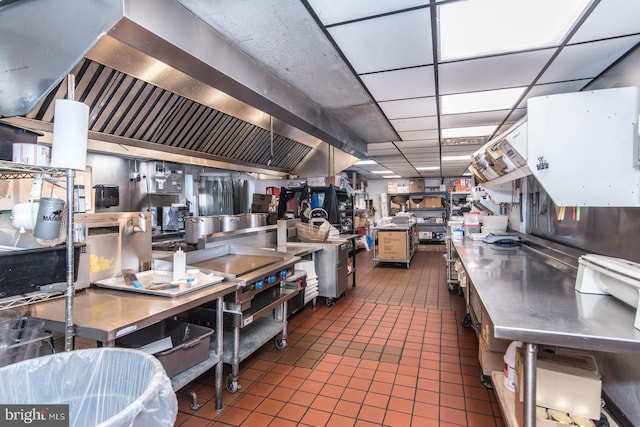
(498, 26)
(455, 158)
(428, 168)
(468, 131)
(380, 172)
(489, 100)
(365, 162)
(392, 176)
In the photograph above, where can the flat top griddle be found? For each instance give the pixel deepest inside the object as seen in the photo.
(236, 264)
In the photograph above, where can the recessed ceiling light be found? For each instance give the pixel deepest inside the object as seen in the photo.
(489, 100)
(380, 172)
(392, 176)
(498, 26)
(455, 158)
(428, 168)
(365, 162)
(468, 131)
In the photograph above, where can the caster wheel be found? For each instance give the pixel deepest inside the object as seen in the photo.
(460, 292)
(486, 381)
(452, 290)
(466, 321)
(329, 302)
(232, 385)
(280, 343)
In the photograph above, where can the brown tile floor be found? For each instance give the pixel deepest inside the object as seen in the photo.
(390, 353)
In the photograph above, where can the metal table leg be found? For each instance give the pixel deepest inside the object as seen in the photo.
(219, 336)
(529, 384)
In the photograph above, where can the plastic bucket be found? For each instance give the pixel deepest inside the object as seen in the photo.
(49, 218)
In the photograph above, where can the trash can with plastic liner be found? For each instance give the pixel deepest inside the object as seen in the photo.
(102, 386)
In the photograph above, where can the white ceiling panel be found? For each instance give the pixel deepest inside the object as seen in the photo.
(331, 11)
(416, 107)
(418, 134)
(473, 119)
(553, 88)
(495, 72)
(418, 143)
(369, 65)
(386, 43)
(611, 18)
(416, 123)
(587, 60)
(400, 84)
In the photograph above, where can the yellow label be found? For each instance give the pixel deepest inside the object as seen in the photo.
(98, 263)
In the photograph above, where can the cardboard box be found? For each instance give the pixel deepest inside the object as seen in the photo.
(416, 186)
(425, 235)
(403, 188)
(260, 207)
(392, 187)
(489, 360)
(431, 202)
(567, 383)
(262, 198)
(392, 245)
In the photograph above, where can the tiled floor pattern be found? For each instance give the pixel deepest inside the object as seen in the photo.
(389, 353)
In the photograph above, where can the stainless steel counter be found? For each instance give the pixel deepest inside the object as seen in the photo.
(530, 297)
(104, 315)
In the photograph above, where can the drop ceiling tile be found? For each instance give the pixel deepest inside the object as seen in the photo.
(369, 46)
(587, 60)
(416, 123)
(400, 84)
(409, 107)
(418, 153)
(331, 11)
(611, 18)
(380, 146)
(494, 72)
(418, 134)
(383, 152)
(420, 143)
(473, 119)
(553, 88)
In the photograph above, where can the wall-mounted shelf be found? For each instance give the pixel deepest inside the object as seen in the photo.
(10, 170)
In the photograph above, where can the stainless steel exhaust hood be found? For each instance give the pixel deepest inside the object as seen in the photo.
(156, 77)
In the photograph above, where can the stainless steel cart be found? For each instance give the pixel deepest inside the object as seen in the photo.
(257, 311)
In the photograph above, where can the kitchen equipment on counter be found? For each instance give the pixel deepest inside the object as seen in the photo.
(107, 196)
(229, 222)
(251, 220)
(151, 281)
(598, 274)
(198, 226)
(114, 241)
(173, 217)
(257, 311)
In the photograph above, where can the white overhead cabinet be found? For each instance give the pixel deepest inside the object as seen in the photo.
(583, 147)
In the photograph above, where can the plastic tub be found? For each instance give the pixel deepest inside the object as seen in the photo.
(471, 218)
(495, 223)
(102, 386)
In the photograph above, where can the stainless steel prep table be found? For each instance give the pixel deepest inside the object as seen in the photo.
(530, 297)
(104, 315)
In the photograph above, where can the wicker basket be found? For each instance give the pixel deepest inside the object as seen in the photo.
(311, 233)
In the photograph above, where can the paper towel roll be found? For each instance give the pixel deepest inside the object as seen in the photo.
(70, 130)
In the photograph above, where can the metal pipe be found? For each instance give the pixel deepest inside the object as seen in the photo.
(219, 341)
(70, 173)
(529, 384)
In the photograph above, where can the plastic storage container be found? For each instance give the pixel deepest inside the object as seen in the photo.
(189, 343)
(102, 386)
(510, 375)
